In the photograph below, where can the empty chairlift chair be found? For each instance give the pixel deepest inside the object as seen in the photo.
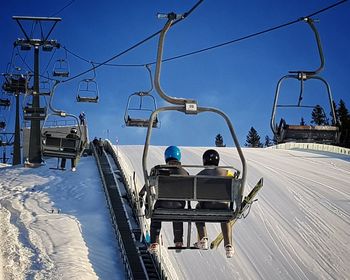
(61, 68)
(286, 132)
(88, 91)
(139, 107)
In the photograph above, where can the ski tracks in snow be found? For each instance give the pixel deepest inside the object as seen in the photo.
(308, 239)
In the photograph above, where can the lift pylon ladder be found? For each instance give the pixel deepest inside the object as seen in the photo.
(284, 132)
(160, 185)
(88, 89)
(139, 107)
(55, 142)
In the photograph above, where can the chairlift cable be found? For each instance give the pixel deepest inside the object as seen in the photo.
(48, 64)
(214, 46)
(135, 45)
(60, 10)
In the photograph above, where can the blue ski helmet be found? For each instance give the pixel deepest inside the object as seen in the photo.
(172, 152)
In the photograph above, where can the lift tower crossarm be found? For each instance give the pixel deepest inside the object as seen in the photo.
(19, 18)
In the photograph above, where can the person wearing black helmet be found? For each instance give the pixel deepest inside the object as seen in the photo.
(172, 157)
(211, 158)
(71, 135)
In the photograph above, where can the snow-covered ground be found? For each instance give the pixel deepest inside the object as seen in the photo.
(55, 225)
(298, 229)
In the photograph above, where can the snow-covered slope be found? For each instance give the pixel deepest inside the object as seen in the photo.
(299, 228)
(55, 224)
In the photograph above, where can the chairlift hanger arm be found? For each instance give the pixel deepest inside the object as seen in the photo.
(277, 92)
(150, 76)
(307, 74)
(171, 18)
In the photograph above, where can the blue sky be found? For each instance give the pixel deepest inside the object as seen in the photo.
(239, 78)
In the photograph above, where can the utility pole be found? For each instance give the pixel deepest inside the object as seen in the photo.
(34, 114)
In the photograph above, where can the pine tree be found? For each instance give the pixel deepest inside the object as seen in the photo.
(342, 112)
(268, 141)
(302, 121)
(318, 116)
(219, 141)
(344, 118)
(253, 139)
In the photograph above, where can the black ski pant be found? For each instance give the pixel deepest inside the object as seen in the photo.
(63, 163)
(177, 226)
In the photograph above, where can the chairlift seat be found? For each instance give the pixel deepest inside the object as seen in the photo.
(196, 188)
(140, 122)
(58, 73)
(60, 147)
(323, 134)
(87, 99)
(30, 113)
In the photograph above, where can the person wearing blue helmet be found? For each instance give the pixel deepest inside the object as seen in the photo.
(172, 156)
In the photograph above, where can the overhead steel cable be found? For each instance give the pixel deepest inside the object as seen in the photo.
(60, 10)
(185, 15)
(211, 47)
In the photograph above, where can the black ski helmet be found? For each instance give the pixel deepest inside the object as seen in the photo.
(211, 157)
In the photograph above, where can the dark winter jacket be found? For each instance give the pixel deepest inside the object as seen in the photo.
(174, 169)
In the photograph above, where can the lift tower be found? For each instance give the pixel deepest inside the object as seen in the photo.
(47, 45)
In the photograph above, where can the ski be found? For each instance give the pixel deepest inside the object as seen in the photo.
(245, 205)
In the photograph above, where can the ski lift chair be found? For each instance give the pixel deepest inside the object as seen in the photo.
(284, 132)
(134, 116)
(88, 91)
(15, 83)
(56, 144)
(54, 140)
(5, 102)
(44, 88)
(161, 185)
(325, 134)
(30, 113)
(61, 68)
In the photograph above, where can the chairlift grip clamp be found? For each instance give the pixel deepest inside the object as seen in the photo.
(191, 107)
(170, 16)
